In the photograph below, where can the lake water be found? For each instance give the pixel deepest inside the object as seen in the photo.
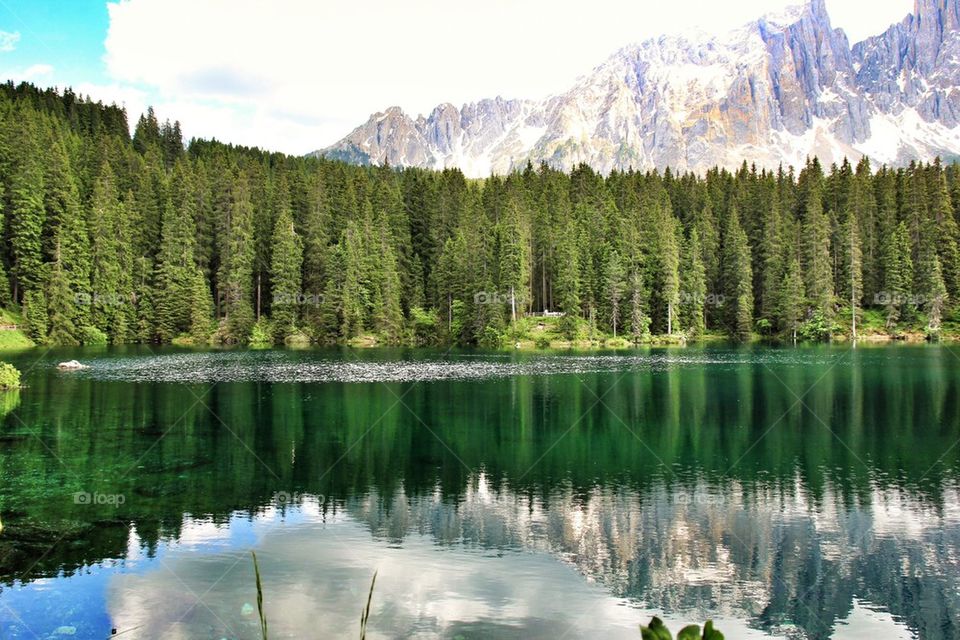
(790, 493)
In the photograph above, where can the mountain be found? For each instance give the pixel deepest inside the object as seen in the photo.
(774, 91)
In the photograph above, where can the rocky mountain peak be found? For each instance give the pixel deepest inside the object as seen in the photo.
(777, 90)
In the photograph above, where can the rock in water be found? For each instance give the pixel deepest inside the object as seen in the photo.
(72, 365)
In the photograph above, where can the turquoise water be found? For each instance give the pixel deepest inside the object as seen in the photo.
(790, 493)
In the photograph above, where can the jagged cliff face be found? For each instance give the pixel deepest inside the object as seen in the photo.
(774, 91)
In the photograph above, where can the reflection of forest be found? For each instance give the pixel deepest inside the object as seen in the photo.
(769, 555)
(666, 492)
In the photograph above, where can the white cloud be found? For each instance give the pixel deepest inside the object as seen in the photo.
(295, 75)
(134, 100)
(37, 70)
(33, 73)
(9, 40)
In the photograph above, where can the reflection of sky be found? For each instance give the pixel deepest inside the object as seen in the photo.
(495, 565)
(316, 578)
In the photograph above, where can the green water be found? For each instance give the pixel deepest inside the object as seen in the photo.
(807, 492)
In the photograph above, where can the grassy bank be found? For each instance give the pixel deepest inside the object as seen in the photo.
(10, 337)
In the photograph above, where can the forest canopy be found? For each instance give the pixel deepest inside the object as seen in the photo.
(116, 238)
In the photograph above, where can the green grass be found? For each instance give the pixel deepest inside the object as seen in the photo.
(15, 339)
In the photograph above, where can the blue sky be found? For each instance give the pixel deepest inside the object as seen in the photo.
(296, 75)
(67, 35)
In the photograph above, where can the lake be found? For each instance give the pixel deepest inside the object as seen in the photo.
(784, 492)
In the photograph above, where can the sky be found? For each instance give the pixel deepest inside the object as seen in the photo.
(297, 75)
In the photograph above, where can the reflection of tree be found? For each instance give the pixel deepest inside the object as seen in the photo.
(696, 503)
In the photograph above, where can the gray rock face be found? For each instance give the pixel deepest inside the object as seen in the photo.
(775, 91)
(916, 64)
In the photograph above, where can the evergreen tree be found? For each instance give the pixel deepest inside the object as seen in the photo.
(639, 320)
(285, 275)
(35, 315)
(27, 218)
(61, 330)
(566, 286)
(851, 273)
(235, 277)
(201, 308)
(791, 299)
(738, 278)
(514, 256)
(354, 296)
(815, 242)
(614, 283)
(174, 274)
(693, 287)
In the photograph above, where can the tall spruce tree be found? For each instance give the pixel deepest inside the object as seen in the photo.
(285, 275)
(738, 278)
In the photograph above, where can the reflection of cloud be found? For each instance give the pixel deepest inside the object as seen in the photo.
(501, 564)
(316, 579)
(9, 40)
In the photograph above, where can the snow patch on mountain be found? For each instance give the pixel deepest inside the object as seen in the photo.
(774, 91)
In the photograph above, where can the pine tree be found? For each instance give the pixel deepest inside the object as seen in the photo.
(693, 286)
(61, 330)
(898, 275)
(947, 236)
(27, 218)
(738, 278)
(235, 278)
(514, 257)
(388, 314)
(815, 242)
(201, 308)
(316, 249)
(614, 283)
(285, 275)
(639, 320)
(174, 274)
(665, 272)
(111, 293)
(928, 278)
(354, 296)
(770, 258)
(566, 285)
(790, 303)
(851, 273)
(35, 315)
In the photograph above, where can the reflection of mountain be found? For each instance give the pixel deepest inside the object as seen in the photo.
(770, 554)
(698, 486)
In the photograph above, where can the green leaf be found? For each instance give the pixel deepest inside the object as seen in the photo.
(690, 632)
(656, 631)
(709, 633)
